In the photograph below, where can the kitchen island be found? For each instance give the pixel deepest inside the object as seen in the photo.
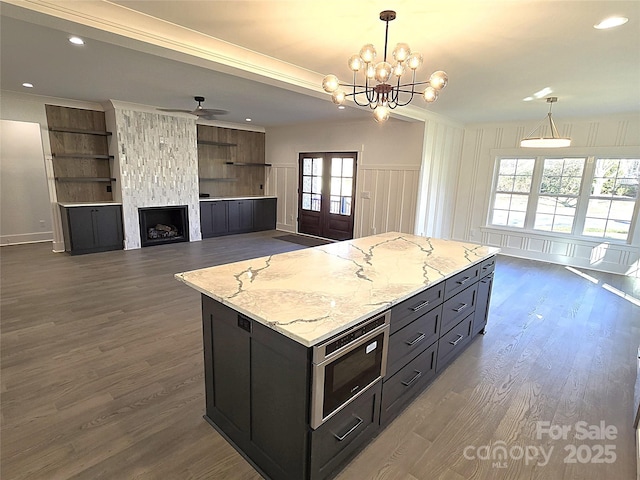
(263, 320)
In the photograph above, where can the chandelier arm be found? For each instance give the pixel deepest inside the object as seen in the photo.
(408, 101)
(536, 128)
(554, 130)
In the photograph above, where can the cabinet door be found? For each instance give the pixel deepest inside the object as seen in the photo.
(107, 225)
(219, 218)
(206, 219)
(482, 307)
(240, 216)
(231, 370)
(81, 232)
(264, 214)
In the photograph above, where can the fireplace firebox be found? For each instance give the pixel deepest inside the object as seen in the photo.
(160, 225)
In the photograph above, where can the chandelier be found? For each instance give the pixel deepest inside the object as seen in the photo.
(554, 141)
(380, 91)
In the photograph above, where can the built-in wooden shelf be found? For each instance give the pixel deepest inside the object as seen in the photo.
(82, 155)
(85, 179)
(218, 179)
(248, 164)
(216, 144)
(78, 130)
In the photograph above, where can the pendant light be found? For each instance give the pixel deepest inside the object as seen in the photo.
(554, 141)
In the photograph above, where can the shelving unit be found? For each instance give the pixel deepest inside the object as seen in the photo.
(80, 150)
(220, 151)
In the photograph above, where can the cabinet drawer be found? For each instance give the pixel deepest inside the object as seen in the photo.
(413, 339)
(406, 312)
(458, 307)
(398, 390)
(487, 266)
(461, 280)
(342, 436)
(453, 342)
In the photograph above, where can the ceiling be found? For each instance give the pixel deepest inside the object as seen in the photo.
(265, 59)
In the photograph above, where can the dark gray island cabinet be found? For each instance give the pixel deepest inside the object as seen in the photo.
(415, 302)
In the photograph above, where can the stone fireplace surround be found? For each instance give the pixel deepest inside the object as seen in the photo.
(155, 164)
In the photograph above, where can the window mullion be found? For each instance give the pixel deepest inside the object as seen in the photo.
(583, 198)
(534, 193)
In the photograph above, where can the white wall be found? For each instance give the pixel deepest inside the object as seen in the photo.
(25, 210)
(390, 159)
(484, 142)
(31, 108)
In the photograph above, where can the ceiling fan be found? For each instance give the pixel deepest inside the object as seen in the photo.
(200, 111)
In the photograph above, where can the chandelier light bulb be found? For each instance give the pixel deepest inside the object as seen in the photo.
(381, 113)
(401, 52)
(338, 97)
(438, 80)
(398, 69)
(383, 72)
(368, 53)
(371, 71)
(330, 83)
(430, 94)
(414, 61)
(355, 63)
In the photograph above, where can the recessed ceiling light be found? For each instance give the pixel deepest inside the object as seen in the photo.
(27, 85)
(611, 22)
(247, 119)
(341, 107)
(76, 40)
(527, 99)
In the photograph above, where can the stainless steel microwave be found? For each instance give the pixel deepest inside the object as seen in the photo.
(346, 366)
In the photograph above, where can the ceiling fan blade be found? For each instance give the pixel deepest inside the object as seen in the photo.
(209, 111)
(174, 110)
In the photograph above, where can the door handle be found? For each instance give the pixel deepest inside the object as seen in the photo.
(463, 281)
(413, 379)
(421, 336)
(457, 340)
(420, 305)
(460, 308)
(350, 431)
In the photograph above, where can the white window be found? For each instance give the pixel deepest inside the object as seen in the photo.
(578, 196)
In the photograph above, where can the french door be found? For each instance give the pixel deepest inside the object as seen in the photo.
(326, 187)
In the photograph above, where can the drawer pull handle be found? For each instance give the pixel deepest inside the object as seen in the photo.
(420, 305)
(457, 340)
(463, 281)
(461, 307)
(413, 379)
(489, 265)
(421, 336)
(350, 431)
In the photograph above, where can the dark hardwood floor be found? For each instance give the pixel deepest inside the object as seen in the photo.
(102, 377)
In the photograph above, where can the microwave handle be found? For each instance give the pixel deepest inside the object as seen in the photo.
(350, 431)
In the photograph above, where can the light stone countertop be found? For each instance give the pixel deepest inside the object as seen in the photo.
(86, 204)
(312, 294)
(247, 197)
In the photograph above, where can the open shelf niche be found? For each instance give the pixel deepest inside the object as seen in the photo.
(221, 151)
(81, 162)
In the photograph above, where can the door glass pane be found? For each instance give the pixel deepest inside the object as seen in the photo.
(316, 200)
(335, 204)
(335, 186)
(306, 184)
(347, 167)
(317, 167)
(345, 206)
(317, 185)
(306, 201)
(336, 167)
(346, 186)
(306, 166)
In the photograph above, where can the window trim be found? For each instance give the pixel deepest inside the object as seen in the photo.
(590, 154)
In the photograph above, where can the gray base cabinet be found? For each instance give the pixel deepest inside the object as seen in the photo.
(227, 217)
(258, 382)
(92, 229)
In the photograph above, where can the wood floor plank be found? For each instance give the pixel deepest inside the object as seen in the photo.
(108, 384)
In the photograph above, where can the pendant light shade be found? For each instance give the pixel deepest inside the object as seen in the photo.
(554, 141)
